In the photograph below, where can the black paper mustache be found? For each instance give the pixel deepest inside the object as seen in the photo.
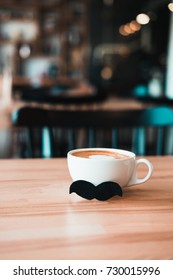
(103, 191)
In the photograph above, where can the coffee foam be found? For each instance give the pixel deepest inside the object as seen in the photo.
(104, 157)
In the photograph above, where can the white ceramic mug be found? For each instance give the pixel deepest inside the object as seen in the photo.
(98, 168)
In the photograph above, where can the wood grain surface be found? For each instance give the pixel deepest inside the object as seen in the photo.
(39, 219)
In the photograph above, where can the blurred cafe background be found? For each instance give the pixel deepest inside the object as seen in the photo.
(80, 55)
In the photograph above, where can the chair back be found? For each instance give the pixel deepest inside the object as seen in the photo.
(144, 131)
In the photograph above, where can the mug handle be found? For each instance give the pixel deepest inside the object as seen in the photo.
(134, 179)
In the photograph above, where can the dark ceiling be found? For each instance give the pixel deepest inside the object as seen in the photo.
(126, 10)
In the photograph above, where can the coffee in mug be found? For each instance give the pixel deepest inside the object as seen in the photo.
(98, 153)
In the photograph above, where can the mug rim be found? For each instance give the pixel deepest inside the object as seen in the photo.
(121, 151)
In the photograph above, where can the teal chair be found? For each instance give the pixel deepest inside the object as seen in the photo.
(160, 120)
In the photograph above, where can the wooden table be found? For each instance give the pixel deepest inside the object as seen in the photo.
(40, 220)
